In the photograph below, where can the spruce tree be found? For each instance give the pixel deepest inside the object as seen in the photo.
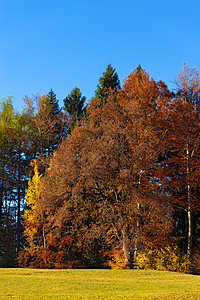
(48, 122)
(139, 69)
(108, 81)
(51, 102)
(74, 105)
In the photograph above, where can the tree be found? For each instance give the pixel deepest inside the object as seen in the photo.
(7, 205)
(20, 160)
(139, 69)
(46, 122)
(181, 167)
(142, 97)
(109, 82)
(52, 104)
(188, 86)
(34, 235)
(74, 105)
(101, 179)
(48, 115)
(14, 152)
(30, 215)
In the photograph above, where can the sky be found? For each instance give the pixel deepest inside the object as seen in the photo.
(66, 43)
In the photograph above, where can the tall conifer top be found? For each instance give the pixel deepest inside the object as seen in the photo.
(109, 80)
(52, 102)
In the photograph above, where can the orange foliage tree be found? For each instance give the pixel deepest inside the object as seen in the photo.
(101, 189)
(180, 167)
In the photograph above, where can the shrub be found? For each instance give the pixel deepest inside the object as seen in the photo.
(116, 261)
(169, 258)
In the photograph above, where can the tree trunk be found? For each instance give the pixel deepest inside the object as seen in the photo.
(189, 212)
(189, 245)
(126, 248)
(136, 232)
(18, 202)
(44, 240)
(1, 203)
(1, 196)
(137, 216)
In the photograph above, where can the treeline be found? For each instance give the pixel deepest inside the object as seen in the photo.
(110, 182)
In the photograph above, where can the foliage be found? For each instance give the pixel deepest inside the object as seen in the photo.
(180, 169)
(169, 258)
(52, 103)
(14, 163)
(116, 259)
(74, 105)
(126, 177)
(30, 214)
(101, 178)
(109, 82)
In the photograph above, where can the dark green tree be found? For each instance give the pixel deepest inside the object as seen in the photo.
(48, 122)
(139, 69)
(52, 103)
(7, 204)
(74, 105)
(107, 83)
(15, 155)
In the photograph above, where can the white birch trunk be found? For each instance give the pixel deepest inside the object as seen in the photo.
(189, 212)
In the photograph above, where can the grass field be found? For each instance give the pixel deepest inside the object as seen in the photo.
(97, 284)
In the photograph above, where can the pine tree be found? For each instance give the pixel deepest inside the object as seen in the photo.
(7, 212)
(139, 69)
(108, 81)
(48, 123)
(14, 162)
(74, 105)
(52, 103)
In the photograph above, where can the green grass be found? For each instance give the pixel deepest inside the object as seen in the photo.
(97, 284)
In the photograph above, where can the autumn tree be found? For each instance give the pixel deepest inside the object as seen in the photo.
(142, 97)
(101, 179)
(181, 167)
(30, 214)
(35, 242)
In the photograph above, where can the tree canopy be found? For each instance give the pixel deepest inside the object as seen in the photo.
(108, 184)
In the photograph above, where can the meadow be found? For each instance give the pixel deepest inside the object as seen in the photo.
(97, 284)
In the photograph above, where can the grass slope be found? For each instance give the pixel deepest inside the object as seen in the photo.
(97, 284)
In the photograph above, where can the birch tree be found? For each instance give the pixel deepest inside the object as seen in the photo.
(183, 138)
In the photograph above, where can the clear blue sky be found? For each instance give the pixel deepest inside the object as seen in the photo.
(66, 43)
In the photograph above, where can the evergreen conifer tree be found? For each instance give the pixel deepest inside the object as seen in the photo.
(139, 69)
(108, 81)
(74, 105)
(48, 122)
(52, 103)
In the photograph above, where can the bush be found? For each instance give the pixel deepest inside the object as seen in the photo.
(169, 258)
(116, 261)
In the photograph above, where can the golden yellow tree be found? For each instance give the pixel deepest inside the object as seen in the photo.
(31, 216)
